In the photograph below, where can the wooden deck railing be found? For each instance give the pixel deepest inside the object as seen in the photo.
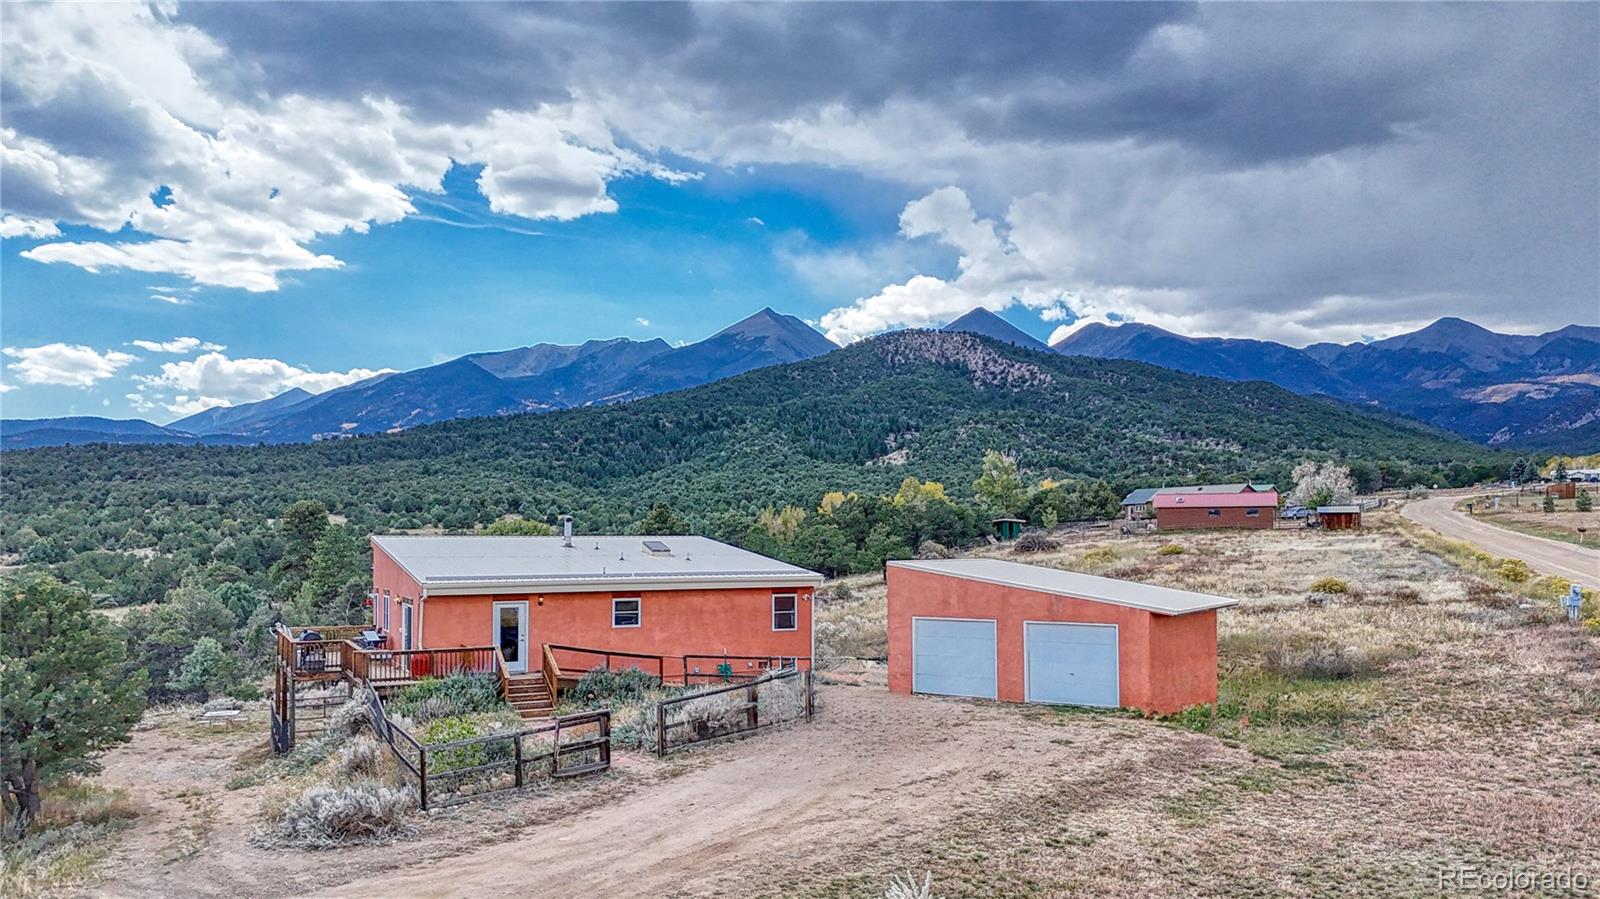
(572, 662)
(552, 672)
(332, 658)
(716, 668)
(575, 661)
(384, 667)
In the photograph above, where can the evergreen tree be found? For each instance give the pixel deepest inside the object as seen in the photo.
(336, 582)
(241, 600)
(67, 694)
(207, 670)
(1561, 470)
(1584, 502)
(519, 527)
(660, 520)
(301, 526)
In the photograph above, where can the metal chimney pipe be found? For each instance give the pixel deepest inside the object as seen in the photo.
(566, 530)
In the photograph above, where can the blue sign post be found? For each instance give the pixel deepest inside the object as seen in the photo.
(1573, 602)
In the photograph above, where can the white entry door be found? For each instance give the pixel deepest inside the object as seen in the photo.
(511, 634)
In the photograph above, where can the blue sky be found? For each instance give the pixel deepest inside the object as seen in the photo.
(321, 191)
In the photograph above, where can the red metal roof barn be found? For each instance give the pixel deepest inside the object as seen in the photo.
(1215, 506)
(995, 629)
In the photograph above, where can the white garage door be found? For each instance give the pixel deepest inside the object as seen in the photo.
(1072, 664)
(952, 657)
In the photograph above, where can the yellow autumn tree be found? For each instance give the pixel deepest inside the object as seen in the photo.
(832, 500)
(919, 494)
(782, 524)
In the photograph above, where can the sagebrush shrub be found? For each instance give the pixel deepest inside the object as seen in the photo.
(445, 697)
(1329, 585)
(1170, 549)
(1325, 662)
(932, 549)
(604, 687)
(362, 756)
(357, 812)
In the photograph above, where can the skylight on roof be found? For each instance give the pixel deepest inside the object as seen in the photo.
(657, 547)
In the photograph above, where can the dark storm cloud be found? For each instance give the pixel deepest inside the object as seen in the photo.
(1059, 71)
(1216, 163)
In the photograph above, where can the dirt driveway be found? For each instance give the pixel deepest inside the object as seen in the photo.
(1547, 556)
(876, 770)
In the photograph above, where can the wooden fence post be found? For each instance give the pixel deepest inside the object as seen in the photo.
(605, 735)
(516, 742)
(661, 729)
(555, 751)
(810, 697)
(753, 715)
(422, 777)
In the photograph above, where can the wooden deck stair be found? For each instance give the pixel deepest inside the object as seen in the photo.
(530, 696)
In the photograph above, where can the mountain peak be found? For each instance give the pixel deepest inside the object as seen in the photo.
(772, 326)
(982, 321)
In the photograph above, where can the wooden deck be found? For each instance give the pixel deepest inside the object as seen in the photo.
(335, 657)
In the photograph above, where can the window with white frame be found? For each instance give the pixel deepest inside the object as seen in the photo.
(785, 612)
(387, 601)
(1252, 513)
(1213, 513)
(625, 611)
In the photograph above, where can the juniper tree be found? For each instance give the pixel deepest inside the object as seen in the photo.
(65, 691)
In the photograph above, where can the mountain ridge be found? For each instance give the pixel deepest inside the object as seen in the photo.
(1539, 390)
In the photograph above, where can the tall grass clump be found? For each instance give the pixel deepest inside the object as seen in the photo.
(66, 839)
(909, 887)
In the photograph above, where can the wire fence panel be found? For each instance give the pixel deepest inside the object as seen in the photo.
(772, 699)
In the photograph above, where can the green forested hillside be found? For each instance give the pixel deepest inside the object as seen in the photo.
(129, 522)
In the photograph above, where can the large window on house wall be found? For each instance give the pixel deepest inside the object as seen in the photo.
(785, 612)
(1252, 513)
(625, 612)
(1213, 513)
(387, 601)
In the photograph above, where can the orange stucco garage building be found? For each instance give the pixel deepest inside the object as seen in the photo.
(997, 629)
(692, 601)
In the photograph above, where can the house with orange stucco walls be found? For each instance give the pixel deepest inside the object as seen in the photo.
(688, 609)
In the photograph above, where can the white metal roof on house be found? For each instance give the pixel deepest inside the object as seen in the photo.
(475, 564)
(1161, 600)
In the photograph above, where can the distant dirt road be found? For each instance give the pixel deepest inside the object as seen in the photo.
(1549, 556)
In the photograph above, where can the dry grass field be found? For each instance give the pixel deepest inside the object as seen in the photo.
(1527, 516)
(1431, 715)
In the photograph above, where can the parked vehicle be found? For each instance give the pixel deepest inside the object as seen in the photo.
(1294, 512)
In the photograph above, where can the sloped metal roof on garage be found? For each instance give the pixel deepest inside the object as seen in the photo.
(1160, 600)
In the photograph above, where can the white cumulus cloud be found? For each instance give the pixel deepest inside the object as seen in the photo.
(246, 186)
(68, 365)
(177, 345)
(216, 380)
